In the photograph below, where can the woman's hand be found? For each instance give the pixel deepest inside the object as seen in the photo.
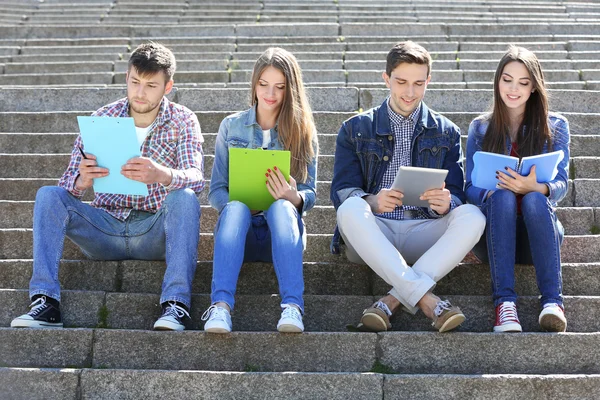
(280, 189)
(511, 180)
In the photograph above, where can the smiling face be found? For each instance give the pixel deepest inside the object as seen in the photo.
(407, 84)
(270, 91)
(515, 87)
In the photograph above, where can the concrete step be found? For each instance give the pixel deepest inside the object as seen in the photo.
(260, 313)
(321, 219)
(458, 353)
(328, 122)
(127, 383)
(18, 243)
(334, 278)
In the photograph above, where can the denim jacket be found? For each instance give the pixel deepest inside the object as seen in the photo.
(559, 128)
(242, 130)
(364, 149)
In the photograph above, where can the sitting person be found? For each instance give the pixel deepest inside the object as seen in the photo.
(522, 226)
(161, 226)
(280, 118)
(373, 222)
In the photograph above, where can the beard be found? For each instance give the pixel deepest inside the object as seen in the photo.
(142, 108)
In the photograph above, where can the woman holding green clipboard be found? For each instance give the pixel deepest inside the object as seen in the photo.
(522, 226)
(280, 118)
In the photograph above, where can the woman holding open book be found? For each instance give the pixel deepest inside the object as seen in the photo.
(280, 118)
(522, 226)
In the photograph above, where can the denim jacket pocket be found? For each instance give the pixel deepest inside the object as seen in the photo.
(371, 153)
(432, 151)
(237, 142)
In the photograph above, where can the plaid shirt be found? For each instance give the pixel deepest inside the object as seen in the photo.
(174, 141)
(402, 128)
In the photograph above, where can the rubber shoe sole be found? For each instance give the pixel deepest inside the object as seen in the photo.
(35, 324)
(552, 323)
(166, 325)
(507, 328)
(216, 329)
(375, 320)
(452, 323)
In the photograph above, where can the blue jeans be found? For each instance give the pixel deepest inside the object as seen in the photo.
(531, 238)
(170, 234)
(277, 237)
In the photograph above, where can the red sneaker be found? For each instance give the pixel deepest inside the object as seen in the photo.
(507, 319)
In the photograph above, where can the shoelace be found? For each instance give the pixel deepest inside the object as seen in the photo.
(382, 306)
(508, 312)
(441, 306)
(215, 312)
(37, 306)
(173, 310)
(291, 312)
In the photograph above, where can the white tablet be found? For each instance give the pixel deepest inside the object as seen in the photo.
(414, 181)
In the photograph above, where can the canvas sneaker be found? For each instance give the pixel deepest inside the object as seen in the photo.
(377, 317)
(552, 318)
(507, 319)
(291, 320)
(218, 320)
(172, 318)
(447, 316)
(42, 314)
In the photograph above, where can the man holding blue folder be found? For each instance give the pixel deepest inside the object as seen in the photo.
(162, 225)
(377, 228)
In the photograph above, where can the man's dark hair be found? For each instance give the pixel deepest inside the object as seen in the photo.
(407, 52)
(150, 58)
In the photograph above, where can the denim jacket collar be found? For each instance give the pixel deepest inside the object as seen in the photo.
(251, 118)
(424, 121)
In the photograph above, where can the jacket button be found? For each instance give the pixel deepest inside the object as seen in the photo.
(390, 137)
(358, 134)
(385, 158)
(434, 149)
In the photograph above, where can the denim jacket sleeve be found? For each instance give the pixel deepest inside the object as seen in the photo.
(561, 137)
(347, 172)
(218, 195)
(475, 195)
(308, 189)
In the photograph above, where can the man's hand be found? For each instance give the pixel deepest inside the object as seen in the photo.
(143, 169)
(439, 199)
(516, 183)
(88, 171)
(384, 201)
(280, 189)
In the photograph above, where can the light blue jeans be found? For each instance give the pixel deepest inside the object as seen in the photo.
(531, 238)
(171, 234)
(277, 237)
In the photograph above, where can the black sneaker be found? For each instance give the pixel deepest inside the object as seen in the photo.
(172, 318)
(42, 314)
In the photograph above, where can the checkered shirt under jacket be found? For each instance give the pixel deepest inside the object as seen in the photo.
(402, 128)
(174, 141)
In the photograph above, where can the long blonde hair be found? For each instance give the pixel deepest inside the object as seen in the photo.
(296, 127)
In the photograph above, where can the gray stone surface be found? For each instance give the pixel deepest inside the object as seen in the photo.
(46, 348)
(586, 192)
(491, 387)
(129, 384)
(587, 167)
(31, 383)
(309, 352)
(297, 29)
(477, 353)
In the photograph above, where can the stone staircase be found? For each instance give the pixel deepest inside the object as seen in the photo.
(61, 59)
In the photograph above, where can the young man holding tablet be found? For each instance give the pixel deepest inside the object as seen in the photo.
(376, 227)
(164, 225)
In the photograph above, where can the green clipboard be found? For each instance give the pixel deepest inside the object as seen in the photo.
(247, 180)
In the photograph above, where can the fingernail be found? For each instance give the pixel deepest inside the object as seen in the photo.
(497, 176)
(506, 168)
(497, 172)
(267, 182)
(275, 168)
(267, 175)
(269, 170)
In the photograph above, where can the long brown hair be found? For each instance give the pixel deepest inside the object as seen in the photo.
(296, 127)
(534, 130)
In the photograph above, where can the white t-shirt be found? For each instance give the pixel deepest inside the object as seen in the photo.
(266, 138)
(142, 133)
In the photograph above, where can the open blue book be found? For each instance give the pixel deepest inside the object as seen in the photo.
(486, 164)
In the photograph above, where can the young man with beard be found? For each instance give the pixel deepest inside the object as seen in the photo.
(161, 226)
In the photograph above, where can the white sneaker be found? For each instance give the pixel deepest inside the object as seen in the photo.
(552, 318)
(218, 320)
(291, 320)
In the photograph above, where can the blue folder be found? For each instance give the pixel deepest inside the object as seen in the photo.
(113, 141)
